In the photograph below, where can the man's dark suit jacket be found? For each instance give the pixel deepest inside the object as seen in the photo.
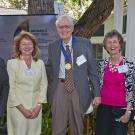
(82, 74)
(4, 87)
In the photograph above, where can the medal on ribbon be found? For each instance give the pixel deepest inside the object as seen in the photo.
(67, 57)
(67, 66)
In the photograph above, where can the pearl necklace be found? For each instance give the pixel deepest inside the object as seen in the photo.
(113, 68)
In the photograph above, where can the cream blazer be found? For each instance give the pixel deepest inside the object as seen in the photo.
(26, 89)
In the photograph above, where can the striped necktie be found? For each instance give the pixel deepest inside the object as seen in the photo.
(69, 85)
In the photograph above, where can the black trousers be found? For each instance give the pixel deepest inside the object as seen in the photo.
(107, 121)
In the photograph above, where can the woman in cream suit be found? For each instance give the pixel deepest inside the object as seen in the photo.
(28, 86)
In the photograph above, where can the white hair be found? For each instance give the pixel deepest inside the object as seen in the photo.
(64, 17)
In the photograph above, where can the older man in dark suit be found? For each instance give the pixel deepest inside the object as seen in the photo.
(72, 67)
(4, 87)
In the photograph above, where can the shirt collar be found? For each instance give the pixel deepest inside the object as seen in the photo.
(69, 43)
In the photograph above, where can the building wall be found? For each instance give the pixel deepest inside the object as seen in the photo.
(108, 25)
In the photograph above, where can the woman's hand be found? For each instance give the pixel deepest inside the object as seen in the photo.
(27, 113)
(35, 111)
(125, 118)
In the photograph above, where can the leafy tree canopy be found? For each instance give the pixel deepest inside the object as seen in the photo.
(20, 4)
(76, 8)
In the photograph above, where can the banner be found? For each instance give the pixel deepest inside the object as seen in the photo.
(42, 26)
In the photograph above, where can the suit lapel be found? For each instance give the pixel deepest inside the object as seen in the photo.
(74, 51)
(58, 55)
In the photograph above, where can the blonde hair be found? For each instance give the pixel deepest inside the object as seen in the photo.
(29, 36)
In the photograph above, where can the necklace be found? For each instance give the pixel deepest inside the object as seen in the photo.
(113, 68)
(27, 61)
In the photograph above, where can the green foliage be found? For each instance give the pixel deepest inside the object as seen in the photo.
(3, 120)
(59, 1)
(20, 4)
(76, 8)
(46, 120)
(125, 2)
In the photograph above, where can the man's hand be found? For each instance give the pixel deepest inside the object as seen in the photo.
(97, 101)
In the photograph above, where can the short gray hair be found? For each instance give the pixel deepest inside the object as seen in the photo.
(113, 33)
(64, 17)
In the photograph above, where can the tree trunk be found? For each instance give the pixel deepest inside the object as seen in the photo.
(40, 7)
(94, 16)
(87, 25)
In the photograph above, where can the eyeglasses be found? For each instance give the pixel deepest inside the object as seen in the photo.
(64, 26)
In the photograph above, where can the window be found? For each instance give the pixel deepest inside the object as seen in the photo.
(124, 24)
(123, 49)
(100, 31)
(98, 51)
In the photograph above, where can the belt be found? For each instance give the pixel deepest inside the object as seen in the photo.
(62, 80)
